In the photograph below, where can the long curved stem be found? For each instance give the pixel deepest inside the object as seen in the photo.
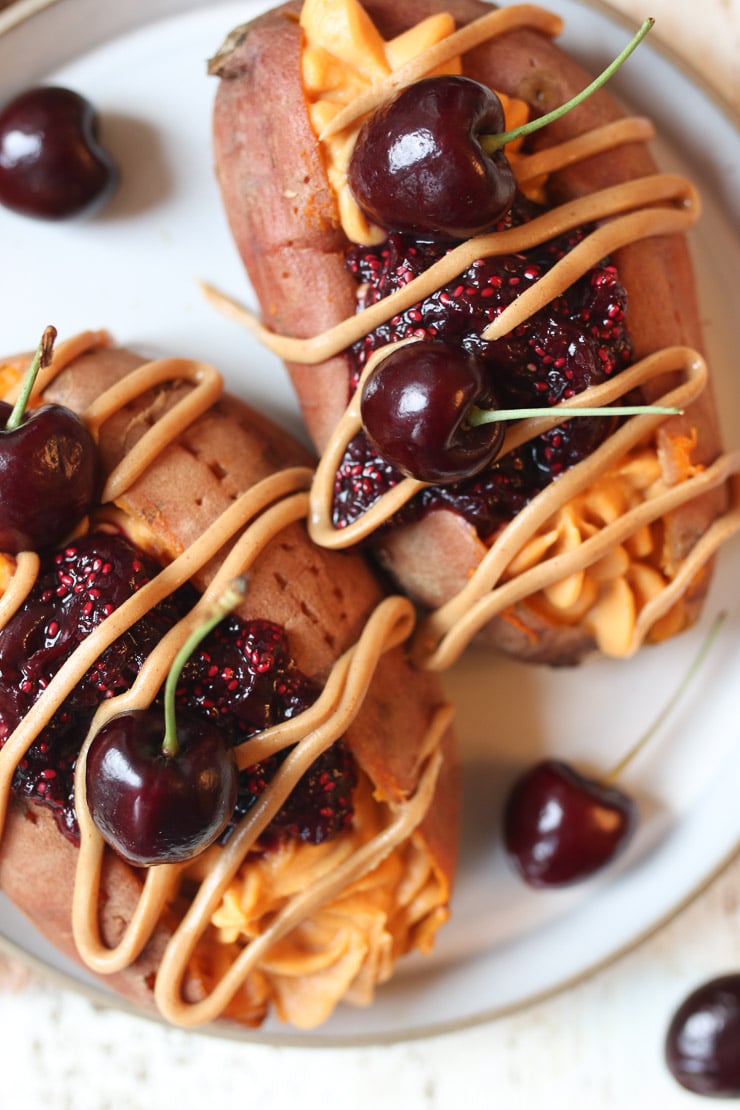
(492, 143)
(667, 709)
(477, 416)
(41, 359)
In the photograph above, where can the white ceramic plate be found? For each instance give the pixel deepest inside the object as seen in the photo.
(135, 270)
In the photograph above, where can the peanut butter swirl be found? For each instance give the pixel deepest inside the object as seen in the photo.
(250, 524)
(24, 575)
(443, 636)
(547, 553)
(655, 205)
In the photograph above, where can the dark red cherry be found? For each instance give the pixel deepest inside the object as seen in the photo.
(561, 826)
(431, 161)
(51, 162)
(418, 165)
(702, 1045)
(415, 405)
(47, 477)
(157, 808)
(48, 468)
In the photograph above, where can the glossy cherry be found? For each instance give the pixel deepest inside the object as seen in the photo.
(429, 410)
(431, 160)
(418, 165)
(161, 789)
(152, 807)
(561, 826)
(48, 469)
(415, 406)
(702, 1045)
(52, 165)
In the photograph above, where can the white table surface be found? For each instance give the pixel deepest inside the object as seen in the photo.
(597, 1044)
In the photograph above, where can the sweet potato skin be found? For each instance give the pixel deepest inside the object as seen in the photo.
(37, 869)
(322, 601)
(285, 227)
(279, 205)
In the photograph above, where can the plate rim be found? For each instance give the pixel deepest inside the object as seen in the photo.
(21, 12)
(291, 1038)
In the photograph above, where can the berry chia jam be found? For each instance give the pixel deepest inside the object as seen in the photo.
(578, 340)
(242, 676)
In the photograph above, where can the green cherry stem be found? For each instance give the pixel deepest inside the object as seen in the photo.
(477, 416)
(699, 658)
(492, 143)
(229, 599)
(41, 359)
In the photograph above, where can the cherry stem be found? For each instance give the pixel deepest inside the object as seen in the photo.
(229, 599)
(41, 360)
(477, 416)
(671, 705)
(492, 143)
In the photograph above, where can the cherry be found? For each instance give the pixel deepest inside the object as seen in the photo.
(702, 1045)
(561, 826)
(414, 408)
(156, 792)
(431, 160)
(48, 467)
(418, 166)
(153, 807)
(429, 410)
(52, 165)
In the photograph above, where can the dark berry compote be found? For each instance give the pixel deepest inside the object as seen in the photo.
(576, 341)
(242, 677)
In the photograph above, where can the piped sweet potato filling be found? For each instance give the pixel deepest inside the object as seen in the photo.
(607, 595)
(350, 944)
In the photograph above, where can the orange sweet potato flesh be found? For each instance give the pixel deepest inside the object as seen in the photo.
(285, 226)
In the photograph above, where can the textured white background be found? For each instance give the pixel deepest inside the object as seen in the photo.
(597, 1044)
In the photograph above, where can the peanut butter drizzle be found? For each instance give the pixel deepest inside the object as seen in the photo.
(441, 638)
(658, 204)
(664, 203)
(252, 522)
(208, 388)
(24, 576)
(654, 205)
(530, 167)
(605, 240)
